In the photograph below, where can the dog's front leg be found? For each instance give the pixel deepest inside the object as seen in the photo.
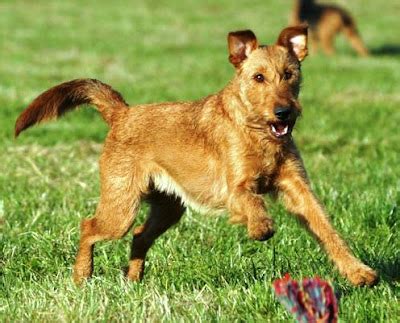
(300, 200)
(249, 208)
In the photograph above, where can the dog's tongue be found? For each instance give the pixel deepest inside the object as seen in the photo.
(280, 129)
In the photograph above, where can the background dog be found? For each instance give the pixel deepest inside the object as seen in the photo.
(325, 22)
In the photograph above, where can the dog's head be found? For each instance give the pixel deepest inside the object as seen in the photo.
(269, 77)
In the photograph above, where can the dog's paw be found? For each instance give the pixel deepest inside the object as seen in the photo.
(80, 278)
(261, 230)
(82, 271)
(362, 275)
(134, 277)
(135, 271)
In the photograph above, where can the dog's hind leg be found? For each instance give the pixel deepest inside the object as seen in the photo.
(165, 211)
(355, 40)
(326, 36)
(315, 42)
(120, 197)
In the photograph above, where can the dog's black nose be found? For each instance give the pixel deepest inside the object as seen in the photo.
(282, 113)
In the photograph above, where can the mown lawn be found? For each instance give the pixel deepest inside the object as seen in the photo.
(203, 269)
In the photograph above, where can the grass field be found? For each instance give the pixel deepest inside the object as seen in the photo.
(203, 269)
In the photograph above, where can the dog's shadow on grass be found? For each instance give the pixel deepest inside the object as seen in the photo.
(386, 50)
(389, 270)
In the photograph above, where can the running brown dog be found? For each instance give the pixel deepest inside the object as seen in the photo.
(222, 152)
(325, 22)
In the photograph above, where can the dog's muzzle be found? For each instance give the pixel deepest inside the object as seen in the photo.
(286, 120)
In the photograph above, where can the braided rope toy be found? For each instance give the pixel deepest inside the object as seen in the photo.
(311, 301)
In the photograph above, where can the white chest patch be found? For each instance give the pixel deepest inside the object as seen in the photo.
(165, 183)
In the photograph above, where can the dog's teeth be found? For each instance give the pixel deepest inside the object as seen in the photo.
(279, 132)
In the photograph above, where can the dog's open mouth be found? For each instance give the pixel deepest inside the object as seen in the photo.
(281, 129)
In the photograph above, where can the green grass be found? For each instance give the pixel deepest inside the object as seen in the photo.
(203, 269)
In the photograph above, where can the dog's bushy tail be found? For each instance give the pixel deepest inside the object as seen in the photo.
(64, 97)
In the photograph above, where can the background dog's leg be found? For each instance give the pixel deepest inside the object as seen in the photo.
(165, 211)
(326, 35)
(119, 203)
(314, 42)
(247, 207)
(355, 40)
(300, 200)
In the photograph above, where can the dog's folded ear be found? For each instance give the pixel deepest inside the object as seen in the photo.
(241, 44)
(295, 40)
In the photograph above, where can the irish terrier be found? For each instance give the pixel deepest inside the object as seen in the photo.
(325, 22)
(222, 152)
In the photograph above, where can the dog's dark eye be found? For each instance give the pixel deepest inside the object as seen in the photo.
(287, 75)
(259, 78)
